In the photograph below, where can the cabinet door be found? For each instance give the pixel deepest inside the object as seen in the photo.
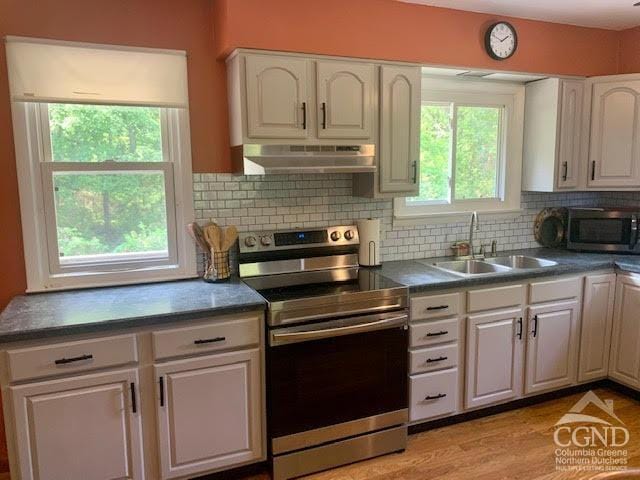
(276, 97)
(209, 413)
(624, 363)
(597, 315)
(399, 152)
(82, 427)
(552, 346)
(615, 135)
(345, 100)
(494, 357)
(570, 133)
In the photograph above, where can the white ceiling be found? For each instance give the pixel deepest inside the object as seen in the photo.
(609, 14)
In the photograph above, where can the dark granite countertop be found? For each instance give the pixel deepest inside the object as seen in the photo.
(81, 311)
(420, 276)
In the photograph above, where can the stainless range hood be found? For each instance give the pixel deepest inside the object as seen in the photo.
(259, 159)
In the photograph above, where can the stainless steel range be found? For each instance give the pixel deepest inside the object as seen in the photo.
(336, 349)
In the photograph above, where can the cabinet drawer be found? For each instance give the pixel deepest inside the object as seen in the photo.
(431, 333)
(497, 297)
(71, 357)
(433, 394)
(554, 290)
(433, 358)
(206, 338)
(435, 306)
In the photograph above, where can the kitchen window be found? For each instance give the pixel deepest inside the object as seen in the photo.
(105, 190)
(470, 150)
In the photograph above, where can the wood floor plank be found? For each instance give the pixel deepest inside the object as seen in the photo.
(515, 445)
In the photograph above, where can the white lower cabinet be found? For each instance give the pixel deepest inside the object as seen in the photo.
(597, 316)
(552, 346)
(494, 357)
(86, 427)
(433, 394)
(209, 412)
(624, 364)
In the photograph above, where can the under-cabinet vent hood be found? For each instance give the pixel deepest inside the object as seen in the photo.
(258, 159)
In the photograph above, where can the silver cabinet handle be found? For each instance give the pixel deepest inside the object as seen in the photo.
(285, 338)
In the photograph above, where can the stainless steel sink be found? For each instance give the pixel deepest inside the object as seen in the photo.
(469, 268)
(521, 262)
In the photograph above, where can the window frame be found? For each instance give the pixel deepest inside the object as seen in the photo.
(37, 204)
(481, 93)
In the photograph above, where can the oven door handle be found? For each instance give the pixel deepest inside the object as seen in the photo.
(285, 338)
(634, 232)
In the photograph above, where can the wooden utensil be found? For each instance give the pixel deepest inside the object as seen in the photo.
(213, 236)
(196, 233)
(230, 237)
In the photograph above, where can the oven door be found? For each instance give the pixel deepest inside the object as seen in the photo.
(606, 231)
(336, 379)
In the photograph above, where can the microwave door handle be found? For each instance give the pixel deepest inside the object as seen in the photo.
(285, 338)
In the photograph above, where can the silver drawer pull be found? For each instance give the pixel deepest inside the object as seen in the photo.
(435, 397)
(64, 361)
(439, 359)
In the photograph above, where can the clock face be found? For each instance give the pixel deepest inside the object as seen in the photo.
(501, 41)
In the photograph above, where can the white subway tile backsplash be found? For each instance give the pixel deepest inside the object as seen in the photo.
(309, 201)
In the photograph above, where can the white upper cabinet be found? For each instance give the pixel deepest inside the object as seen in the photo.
(399, 148)
(553, 135)
(552, 346)
(84, 427)
(614, 154)
(597, 315)
(624, 364)
(277, 90)
(345, 99)
(494, 357)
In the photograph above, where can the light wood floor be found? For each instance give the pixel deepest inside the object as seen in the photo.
(516, 445)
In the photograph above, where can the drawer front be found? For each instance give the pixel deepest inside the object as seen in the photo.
(71, 357)
(433, 358)
(220, 335)
(497, 297)
(566, 288)
(435, 306)
(433, 394)
(433, 333)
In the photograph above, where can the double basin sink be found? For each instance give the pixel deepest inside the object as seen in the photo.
(493, 265)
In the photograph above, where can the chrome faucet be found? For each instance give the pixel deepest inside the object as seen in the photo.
(473, 227)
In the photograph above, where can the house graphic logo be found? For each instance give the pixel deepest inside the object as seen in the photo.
(591, 437)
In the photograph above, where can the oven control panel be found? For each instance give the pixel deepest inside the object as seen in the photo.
(299, 238)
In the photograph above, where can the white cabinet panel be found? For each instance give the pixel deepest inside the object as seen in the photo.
(83, 427)
(399, 151)
(625, 345)
(494, 357)
(597, 316)
(210, 413)
(276, 96)
(552, 346)
(615, 134)
(433, 394)
(570, 133)
(345, 99)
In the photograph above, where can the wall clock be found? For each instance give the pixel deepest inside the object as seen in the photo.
(501, 40)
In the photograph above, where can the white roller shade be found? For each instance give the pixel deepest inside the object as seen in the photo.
(49, 71)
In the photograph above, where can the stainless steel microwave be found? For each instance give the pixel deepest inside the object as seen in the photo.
(603, 230)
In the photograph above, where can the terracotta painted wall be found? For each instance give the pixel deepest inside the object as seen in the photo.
(388, 29)
(384, 29)
(630, 51)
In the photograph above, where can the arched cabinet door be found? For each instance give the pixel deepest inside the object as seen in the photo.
(615, 135)
(399, 146)
(277, 97)
(345, 100)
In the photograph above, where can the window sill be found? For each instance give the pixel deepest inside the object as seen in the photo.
(453, 217)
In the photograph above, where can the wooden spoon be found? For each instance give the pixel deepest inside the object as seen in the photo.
(213, 236)
(230, 237)
(198, 236)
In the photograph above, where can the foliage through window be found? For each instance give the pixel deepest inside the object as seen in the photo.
(107, 213)
(459, 152)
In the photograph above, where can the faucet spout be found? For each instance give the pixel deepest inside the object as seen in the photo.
(473, 227)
